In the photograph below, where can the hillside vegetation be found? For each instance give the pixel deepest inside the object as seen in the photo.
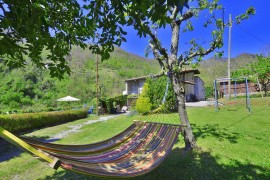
(217, 67)
(31, 89)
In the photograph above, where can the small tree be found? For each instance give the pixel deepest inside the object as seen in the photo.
(258, 71)
(143, 104)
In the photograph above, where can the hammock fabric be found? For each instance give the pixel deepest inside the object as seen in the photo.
(136, 151)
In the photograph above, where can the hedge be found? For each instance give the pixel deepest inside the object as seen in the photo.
(30, 121)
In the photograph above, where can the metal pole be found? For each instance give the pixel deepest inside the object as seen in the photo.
(97, 78)
(216, 95)
(229, 57)
(247, 97)
(97, 83)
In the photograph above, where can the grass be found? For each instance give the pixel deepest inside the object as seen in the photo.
(235, 144)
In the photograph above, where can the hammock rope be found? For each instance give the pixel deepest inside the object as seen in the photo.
(137, 150)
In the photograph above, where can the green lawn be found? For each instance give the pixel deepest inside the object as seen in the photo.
(235, 144)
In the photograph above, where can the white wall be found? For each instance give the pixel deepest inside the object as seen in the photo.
(199, 88)
(135, 87)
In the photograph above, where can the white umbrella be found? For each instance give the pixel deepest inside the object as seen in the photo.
(68, 98)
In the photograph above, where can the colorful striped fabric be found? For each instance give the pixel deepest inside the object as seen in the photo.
(136, 151)
(88, 148)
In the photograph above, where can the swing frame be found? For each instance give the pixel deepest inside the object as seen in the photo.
(224, 80)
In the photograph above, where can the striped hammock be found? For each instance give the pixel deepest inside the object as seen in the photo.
(137, 150)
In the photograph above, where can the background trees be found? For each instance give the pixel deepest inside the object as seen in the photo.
(258, 71)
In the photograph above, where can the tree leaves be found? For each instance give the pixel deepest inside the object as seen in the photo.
(259, 69)
(29, 27)
(249, 12)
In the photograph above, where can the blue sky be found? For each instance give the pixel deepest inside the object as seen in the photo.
(251, 36)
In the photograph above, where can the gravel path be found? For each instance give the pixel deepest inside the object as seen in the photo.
(8, 151)
(200, 103)
(76, 128)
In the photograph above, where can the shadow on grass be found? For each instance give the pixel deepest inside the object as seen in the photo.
(215, 131)
(9, 151)
(188, 165)
(45, 139)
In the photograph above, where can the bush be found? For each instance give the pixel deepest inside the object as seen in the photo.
(30, 121)
(156, 92)
(209, 92)
(143, 104)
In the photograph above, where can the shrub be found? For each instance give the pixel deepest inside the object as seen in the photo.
(110, 103)
(209, 91)
(143, 104)
(30, 121)
(156, 92)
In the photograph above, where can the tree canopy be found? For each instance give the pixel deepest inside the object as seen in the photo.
(148, 16)
(27, 28)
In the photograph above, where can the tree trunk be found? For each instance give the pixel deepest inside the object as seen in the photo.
(179, 91)
(190, 142)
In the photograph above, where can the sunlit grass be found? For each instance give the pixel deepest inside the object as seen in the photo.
(234, 144)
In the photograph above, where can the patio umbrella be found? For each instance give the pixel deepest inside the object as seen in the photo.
(68, 99)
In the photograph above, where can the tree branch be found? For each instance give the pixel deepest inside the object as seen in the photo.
(156, 43)
(157, 55)
(187, 15)
(174, 13)
(182, 60)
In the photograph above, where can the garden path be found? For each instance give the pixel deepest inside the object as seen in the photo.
(76, 128)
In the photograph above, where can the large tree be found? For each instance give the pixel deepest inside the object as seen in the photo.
(146, 17)
(27, 27)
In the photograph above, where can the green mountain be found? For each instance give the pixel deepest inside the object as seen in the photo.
(218, 67)
(30, 88)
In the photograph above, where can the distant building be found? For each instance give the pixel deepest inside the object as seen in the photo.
(194, 87)
(237, 88)
(134, 88)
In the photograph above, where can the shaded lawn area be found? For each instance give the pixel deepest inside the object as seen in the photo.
(234, 145)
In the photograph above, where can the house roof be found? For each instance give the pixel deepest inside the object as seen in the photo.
(136, 79)
(196, 71)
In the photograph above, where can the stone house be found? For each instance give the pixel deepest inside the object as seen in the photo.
(194, 87)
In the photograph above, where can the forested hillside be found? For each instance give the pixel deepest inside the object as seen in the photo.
(218, 67)
(30, 88)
